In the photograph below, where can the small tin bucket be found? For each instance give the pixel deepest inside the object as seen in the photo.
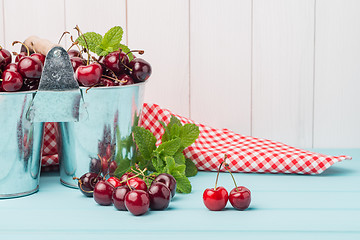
(105, 133)
(20, 146)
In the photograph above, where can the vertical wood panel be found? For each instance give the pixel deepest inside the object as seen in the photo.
(221, 63)
(283, 50)
(337, 74)
(160, 27)
(2, 37)
(37, 17)
(95, 16)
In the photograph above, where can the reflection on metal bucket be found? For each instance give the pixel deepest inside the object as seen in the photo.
(20, 146)
(106, 131)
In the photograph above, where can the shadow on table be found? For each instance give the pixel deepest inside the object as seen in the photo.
(337, 171)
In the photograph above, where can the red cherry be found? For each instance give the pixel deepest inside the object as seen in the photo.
(77, 62)
(160, 196)
(112, 167)
(113, 61)
(137, 183)
(240, 198)
(126, 176)
(125, 79)
(103, 192)
(168, 180)
(74, 53)
(30, 67)
(11, 67)
(106, 82)
(114, 181)
(89, 75)
(6, 55)
(12, 81)
(137, 202)
(39, 57)
(215, 199)
(118, 197)
(140, 69)
(20, 56)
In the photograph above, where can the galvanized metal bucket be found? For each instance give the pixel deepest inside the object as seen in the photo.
(106, 132)
(20, 146)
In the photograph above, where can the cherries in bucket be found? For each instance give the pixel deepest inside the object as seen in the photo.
(99, 61)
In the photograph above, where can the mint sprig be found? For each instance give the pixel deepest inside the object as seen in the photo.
(168, 157)
(103, 45)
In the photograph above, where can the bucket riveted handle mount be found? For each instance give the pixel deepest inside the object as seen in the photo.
(58, 98)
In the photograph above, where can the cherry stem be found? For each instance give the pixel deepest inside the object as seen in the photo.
(227, 168)
(114, 79)
(73, 44)
(1, 48)
(141, 52)
(66, 32)
(87, 46)
(217, 176)
(27, 48)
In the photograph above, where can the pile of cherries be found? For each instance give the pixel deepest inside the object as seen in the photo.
(130, 192)
(215, 199)
(114, 69)
(24, 74)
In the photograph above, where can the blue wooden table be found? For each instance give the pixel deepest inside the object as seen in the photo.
(283, 206)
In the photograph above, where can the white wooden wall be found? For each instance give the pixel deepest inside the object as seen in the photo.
(287, 70)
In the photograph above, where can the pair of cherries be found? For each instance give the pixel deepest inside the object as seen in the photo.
(215, 199)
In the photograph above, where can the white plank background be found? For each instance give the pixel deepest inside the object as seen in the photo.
(220, 50)
(337, 82)
(160, 27)
(281, 69)
(283, 46)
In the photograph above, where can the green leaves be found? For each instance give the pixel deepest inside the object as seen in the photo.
(168, 157)
(92, 39)
(102, 46)
(145, 141)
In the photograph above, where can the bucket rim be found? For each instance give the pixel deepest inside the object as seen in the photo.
(18, 93)
(114, 87)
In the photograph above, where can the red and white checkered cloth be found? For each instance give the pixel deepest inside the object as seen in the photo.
(245, 153)
(49, 149)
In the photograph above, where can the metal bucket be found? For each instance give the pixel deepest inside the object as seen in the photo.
(106, 131)
(20, 146)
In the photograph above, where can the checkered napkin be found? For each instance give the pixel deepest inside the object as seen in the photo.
(245, 154)
(49, 149)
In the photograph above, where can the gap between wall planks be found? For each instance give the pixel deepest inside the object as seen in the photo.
(272, 50)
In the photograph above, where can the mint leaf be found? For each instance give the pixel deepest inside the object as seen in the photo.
(112, 38)
(145, 141)
(158, 161)
(180, 168)
(123, 167)
(191, 169)
(172, 130)
(189, 133)
(100, 51)
(179, 157)
(126, 50)
(170, 164)
(183, 184)
(93, 39)
(170, 147)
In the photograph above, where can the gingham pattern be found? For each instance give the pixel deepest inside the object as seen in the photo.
(245, 154)
(49, 149)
